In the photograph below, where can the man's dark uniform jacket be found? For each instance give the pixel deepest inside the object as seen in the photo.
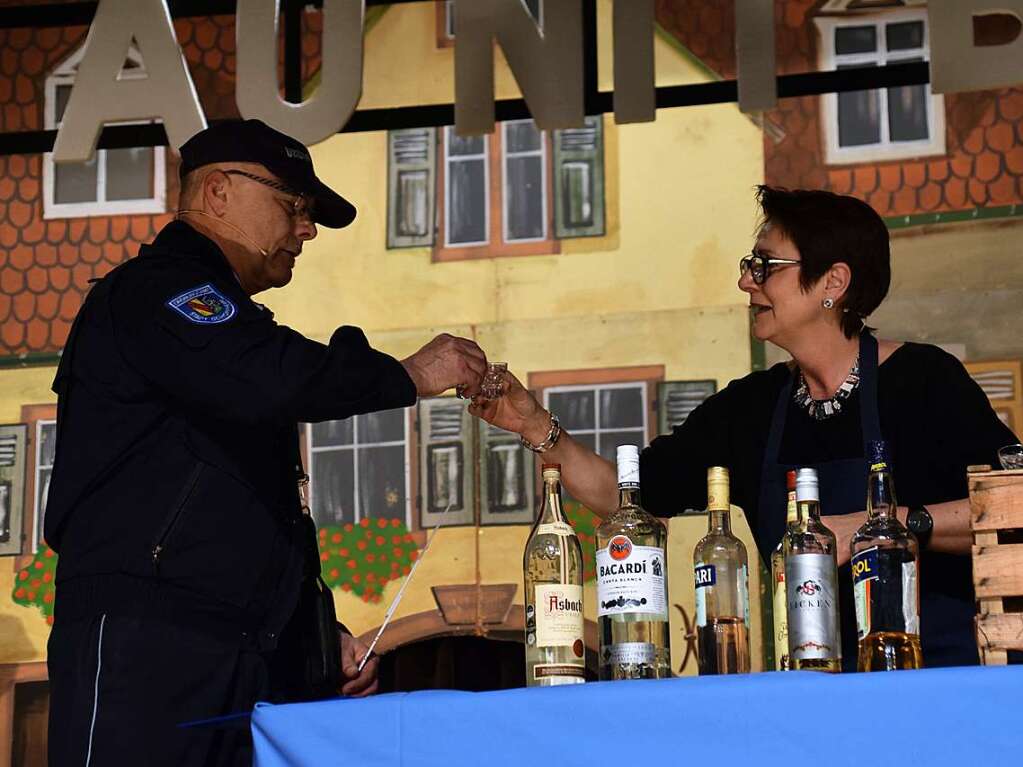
(173, 495)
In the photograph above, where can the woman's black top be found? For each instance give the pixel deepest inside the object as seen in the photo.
(935, 419)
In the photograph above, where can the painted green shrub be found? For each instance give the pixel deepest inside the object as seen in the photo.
(33, 585)
(585, 523)
(363, 558)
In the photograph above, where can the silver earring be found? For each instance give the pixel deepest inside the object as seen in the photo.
(828, 303)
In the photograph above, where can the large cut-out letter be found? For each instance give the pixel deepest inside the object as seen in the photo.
(100, 95)
(635, 85)
(957, 63)
(547, 64)
(325, 112)
(755, 55)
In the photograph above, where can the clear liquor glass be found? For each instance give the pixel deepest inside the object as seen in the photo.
(632, 606)
(811, 584)
(885, 566)
(493, 381)
(552, 565)
(722, 587)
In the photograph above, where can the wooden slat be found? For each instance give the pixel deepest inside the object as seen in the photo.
(989, 606)
(1000, 632)
(996, 500)
(998, 570)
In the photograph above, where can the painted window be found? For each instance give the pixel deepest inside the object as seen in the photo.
(888, 123)
(515, 192)
(358, 468)
(114, 181)
(46, 439)
(602, 417)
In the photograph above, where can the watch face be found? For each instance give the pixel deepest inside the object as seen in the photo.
(919, 521)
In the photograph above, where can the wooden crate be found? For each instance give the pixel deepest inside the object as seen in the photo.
(996, 516)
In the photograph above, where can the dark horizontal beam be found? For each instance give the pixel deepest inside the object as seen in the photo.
(73, 14)
(722, 92)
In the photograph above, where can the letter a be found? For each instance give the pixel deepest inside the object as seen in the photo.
(99, 95)
(335, 98)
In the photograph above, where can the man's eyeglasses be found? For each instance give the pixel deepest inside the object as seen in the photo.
(760, 266)
(297, 205)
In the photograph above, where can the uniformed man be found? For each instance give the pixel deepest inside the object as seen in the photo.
(173, 502)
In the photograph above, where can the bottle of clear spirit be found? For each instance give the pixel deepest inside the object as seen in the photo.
(552, 567)
(885, 561)
(632, 600)
(781, 624)
(811, 583)
(722, 587)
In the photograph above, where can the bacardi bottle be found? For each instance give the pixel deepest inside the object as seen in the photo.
(885, 561)
(552, 565)
(722, 587)
(632, 600)
(781, 624)
(811, 583)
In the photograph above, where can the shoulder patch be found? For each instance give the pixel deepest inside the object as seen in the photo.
(204, 305)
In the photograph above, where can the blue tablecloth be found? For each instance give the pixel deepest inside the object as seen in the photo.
(961, 716)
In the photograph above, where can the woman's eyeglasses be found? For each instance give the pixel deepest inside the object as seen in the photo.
(296, 205)
(759, 266)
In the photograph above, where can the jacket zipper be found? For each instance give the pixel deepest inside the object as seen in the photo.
(172, 520)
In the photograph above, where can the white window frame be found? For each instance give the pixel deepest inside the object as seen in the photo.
(354, 447)
(641, 432)
(829, 60)
(448, 161)
(38, 502)
(505, 156)
(65, 75)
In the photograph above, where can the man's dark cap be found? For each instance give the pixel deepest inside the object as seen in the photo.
(255, 141)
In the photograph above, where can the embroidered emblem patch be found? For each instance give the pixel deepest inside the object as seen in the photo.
(204, 305)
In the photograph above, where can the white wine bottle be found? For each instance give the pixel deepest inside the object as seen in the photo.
(552, 566)
(722, 587)
(811, 584)
(781, 623)
(632, 598)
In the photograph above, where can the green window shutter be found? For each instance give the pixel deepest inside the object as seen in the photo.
(507, 478)
(446, 462)
(677, 399)
(579, 180)
(411, 184)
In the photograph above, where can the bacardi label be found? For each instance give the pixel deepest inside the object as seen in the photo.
(559, 615)
(812, 607)
(705, 575)
(630, 579)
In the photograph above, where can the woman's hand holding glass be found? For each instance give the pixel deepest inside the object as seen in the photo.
(517, 410)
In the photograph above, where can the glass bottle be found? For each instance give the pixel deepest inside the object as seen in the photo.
(632, 601)
(552, 567)
(781, 624)
(722, 587)
(811, 583)
(885, 563)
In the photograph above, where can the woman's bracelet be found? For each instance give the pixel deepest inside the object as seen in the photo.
(550, 441)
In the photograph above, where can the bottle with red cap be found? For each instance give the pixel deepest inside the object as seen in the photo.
(781, 625)
(552, 566)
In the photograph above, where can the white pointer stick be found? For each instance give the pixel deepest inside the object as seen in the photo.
(401, 591)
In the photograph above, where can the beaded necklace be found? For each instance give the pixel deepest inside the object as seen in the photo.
(822, 409)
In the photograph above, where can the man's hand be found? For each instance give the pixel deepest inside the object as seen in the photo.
(447, 362)
(844, 526)
(353, 683)
(516, 411)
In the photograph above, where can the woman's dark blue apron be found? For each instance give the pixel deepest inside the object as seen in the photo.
(843, 484)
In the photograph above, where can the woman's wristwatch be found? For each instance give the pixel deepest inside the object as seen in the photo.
(921, 524)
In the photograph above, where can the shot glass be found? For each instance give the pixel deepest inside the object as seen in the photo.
(1011, 456)
(493, 381)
